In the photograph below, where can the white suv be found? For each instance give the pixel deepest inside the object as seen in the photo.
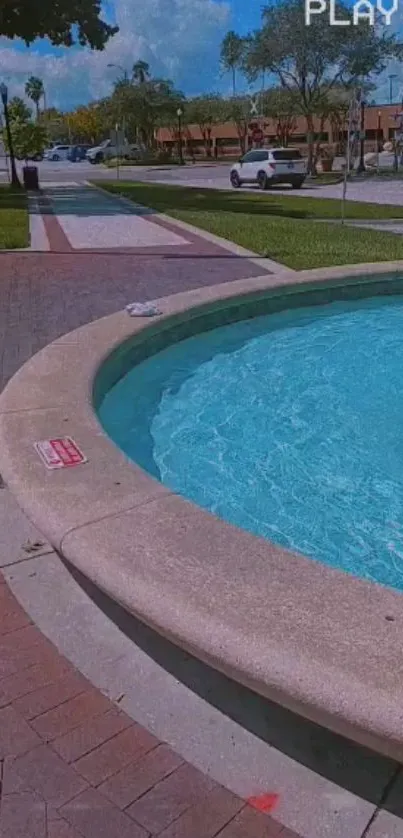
(58, 152)
(107, 151)
(268, 166)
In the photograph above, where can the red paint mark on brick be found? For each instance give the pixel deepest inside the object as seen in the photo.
(264, 802)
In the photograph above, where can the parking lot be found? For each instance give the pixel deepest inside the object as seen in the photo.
(210, 176)
(214, 175)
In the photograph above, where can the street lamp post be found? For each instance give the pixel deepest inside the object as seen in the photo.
(179, 114)
(379, 132)
(4, 98)
(361, 164)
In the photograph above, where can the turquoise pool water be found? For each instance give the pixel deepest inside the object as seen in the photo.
(288, 425)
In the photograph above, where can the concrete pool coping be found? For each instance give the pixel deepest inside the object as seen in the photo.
(324, 644)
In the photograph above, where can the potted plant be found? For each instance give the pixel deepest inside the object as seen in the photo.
(327, 156)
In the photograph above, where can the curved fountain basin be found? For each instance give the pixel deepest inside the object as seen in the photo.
(287, 425)
(324, 644)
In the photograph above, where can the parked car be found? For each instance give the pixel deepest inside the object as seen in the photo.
(48, 150)
(108, 151)
(78, 153)
(59, 152)
(269, 166)
(385, 160)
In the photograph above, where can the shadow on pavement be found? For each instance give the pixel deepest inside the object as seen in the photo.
(84, 201)
(355, 768)
(200, 199)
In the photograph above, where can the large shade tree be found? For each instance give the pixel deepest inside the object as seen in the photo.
(310, 61)
(29, 138)
(281, 107)
(86, 124)
(205, 112)
(143, 105)
(64, 22)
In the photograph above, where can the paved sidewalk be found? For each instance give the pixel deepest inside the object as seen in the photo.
(43, 296)
(70, 217)
(93, 220)
(73, 217)
(74, 765)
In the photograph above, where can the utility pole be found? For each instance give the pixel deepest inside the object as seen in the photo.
(179, 114)
(4, 98)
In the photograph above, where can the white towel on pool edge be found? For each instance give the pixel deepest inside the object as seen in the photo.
(142, 310)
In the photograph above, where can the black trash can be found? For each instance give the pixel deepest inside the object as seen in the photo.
(31, 179)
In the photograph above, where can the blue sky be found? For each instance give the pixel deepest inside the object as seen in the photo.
(245, 16)
(179, 38)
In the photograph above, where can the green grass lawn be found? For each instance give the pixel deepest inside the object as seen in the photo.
(325, 179)
(280, 227)
(14, 223)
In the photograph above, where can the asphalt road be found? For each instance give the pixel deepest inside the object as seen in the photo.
(213, 176)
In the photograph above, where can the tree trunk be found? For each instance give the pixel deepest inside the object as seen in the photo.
(205, 141)
(242, 131)
(318, 144)
(143, 137)
(233, 81)
(208, 142)
(311, 169)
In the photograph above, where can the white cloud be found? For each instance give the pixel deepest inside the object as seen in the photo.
(179, 38)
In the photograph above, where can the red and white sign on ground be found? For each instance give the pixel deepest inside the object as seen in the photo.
(60, 453)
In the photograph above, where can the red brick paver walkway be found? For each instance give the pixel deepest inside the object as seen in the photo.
(45, 295)
(74, 766)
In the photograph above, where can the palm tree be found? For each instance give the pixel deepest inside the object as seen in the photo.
(18, 111)
(35, 90)
(141, 72)
(232, 49)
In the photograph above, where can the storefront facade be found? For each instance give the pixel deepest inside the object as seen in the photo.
(229, 139)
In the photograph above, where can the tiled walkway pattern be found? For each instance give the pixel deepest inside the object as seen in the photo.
(80, 218)
(73, 765)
